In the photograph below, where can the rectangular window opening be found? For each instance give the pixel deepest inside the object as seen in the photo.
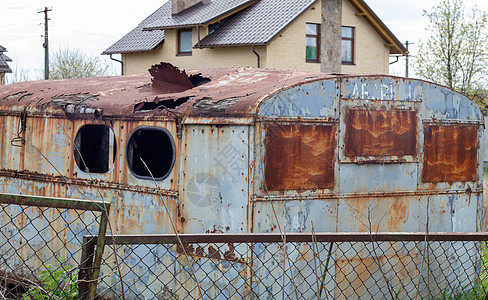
(185, 44)
(347, 45)
(312, 42)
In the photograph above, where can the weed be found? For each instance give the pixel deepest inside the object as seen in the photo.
(56, 282)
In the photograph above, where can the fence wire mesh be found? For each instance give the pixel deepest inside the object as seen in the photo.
(40, 249)
(252, 269)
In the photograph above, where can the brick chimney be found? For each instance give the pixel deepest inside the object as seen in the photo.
(180, 5)
(330, 36)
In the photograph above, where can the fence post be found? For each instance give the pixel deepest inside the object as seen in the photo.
(86, 265)
(98, 255)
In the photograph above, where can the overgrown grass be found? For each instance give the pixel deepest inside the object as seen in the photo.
(472, 290)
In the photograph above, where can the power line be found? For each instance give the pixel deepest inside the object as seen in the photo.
(22, 23)
(85, 32)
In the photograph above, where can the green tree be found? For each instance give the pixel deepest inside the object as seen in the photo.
(455, 54)
(73, 63)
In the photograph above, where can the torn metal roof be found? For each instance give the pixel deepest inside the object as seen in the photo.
(230, 92)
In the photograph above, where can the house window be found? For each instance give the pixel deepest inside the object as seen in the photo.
(347, 45)
(150, 153)
(184, 42)
(312, 42)
(94, 148)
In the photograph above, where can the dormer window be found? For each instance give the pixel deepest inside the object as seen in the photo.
(185, 42)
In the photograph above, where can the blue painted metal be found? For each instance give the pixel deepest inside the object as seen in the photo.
(218, 181)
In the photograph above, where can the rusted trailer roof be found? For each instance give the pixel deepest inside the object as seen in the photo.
(225, 92)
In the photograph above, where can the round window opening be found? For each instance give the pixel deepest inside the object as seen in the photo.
(94, 148)
(150, 153)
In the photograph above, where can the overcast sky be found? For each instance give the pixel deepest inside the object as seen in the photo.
(93, 25)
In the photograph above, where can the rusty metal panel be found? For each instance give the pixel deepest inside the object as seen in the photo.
(214, 179)
(295, 216)
(299, 156)
(380, 133)
(450, 153)
(391, 177)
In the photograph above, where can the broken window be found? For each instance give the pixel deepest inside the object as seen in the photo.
(95, 148)
(299, 156)
(450, 153)
(150, 153)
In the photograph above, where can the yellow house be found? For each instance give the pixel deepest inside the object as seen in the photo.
(304, 35)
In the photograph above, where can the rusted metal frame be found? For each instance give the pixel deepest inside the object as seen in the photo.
(252, 135)
(336, 196)
(54, 202)
(98, 255)
(147, 116)
(383, 100)
(320, 121)
(86, 265)
(378, 105)
(223, 238)
(85, 182)
(432, 121)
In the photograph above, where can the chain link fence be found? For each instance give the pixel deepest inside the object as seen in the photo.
(52, 249)
(296, 266)
(41, 243)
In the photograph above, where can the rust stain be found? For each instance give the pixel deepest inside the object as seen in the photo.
(380, 133)
(450, 153)
(299, 156)
(398, 215)
(354, 276)
(211, 252)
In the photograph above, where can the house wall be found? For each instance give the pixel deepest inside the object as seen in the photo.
(200, 58)
(286, 51)
(370, 53)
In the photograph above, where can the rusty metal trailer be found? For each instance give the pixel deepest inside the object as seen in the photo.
(249, 150)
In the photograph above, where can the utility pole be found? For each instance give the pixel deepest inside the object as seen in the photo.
(46, 43)
(406, 57)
